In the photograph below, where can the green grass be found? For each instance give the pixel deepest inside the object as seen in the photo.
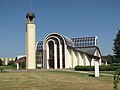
(8, 67)
(53, 80)
(108, 72)
(104, 72)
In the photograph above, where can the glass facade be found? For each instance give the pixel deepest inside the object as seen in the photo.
(40, 45)
(85, 41)
(76, 42)
(39, 53)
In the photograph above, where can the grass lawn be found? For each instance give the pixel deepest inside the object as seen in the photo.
(8, 67)
(104, 72)
(53, 80)
(108, 72)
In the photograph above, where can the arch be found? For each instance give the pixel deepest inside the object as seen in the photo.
(60, 49)
(51, 54)
(54, 34)
(51, 62)
(37, 44)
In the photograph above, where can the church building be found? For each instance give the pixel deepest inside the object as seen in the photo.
(57, 51)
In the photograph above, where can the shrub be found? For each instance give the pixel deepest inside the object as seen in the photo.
(12, 63)
(23, 64)
(101, 68)
(116, 79)
(115, 64)
(1, 69)
(109, 68)
(84, 68)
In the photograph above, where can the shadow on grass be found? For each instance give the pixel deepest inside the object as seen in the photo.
(91, 75)
(3, 71)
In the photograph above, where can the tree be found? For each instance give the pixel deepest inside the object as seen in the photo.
(116, 47)
(12, 63)
(110, 59)
(1, 62)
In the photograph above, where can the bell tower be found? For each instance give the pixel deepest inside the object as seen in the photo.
(30, 41)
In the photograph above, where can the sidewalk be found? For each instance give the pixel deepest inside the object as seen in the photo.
(72, 70)
(66, 70)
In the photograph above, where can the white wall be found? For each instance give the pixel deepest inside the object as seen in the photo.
(87, 62)
(74, 58)
(81, 61)
(96, 54)
(68, 61)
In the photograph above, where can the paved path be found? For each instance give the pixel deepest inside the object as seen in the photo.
(72, 70)
(66, 70)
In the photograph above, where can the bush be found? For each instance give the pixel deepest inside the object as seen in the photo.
(23, 65)
(116, 79)
(109, 68)
(101, 68)
(12, 63)
(84, 68)
(115, 64)
(1, 69)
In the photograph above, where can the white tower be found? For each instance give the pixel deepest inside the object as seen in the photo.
(30, 41)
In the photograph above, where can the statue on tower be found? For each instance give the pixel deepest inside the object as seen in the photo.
(30, 17)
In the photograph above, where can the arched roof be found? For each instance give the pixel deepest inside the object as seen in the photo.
(66, 40)
(22, 59)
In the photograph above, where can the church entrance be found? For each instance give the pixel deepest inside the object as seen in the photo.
(51, 54)
(54, 54)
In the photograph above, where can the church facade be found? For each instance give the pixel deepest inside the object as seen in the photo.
(57, 51)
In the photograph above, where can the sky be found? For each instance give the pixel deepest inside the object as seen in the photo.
(72, 18)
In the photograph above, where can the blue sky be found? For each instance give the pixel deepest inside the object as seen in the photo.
(72, 18)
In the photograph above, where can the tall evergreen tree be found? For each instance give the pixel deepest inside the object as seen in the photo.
(116, 47)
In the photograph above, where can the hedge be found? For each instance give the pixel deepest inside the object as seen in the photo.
(84, 68)
(101, 68)
(1, 69)
(115, 64)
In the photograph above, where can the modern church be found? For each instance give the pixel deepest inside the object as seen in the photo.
(57, 51)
